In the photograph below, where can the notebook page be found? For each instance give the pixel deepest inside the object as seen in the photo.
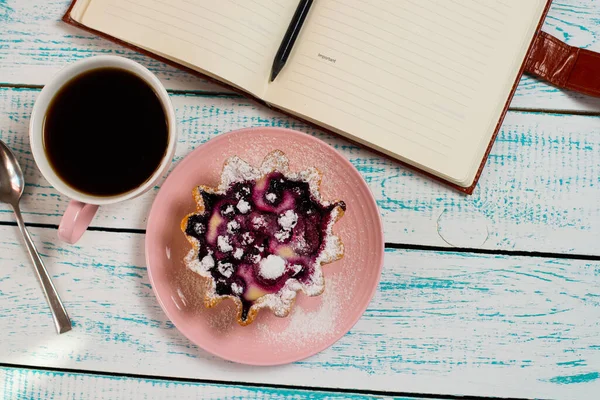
(79, 9)
(424, 81)
(234, 40)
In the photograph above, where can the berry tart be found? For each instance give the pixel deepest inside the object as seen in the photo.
(262, 235)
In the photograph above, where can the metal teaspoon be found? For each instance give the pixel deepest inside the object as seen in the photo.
(12, 184)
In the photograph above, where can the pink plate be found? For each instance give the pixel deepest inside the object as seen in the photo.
(315, 323)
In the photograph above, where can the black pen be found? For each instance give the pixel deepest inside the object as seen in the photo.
(290, 37)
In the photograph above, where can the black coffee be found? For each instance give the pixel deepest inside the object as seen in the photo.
(105, 132)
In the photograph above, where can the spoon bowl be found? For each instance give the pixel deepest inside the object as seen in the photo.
(12, 184)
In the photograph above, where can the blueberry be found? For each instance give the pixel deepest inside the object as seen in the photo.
(341, 204)
(196, 225)
(304, 274)
(238, 286)
(227, 210)
(241, 191)
(225, 268)
(306, 206)
(223, 287)
(202, 251)
(297, 270)
(276, 186)
(312, 237)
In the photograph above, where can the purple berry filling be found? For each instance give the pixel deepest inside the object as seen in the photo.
(275, 221)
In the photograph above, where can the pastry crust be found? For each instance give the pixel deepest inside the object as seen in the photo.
(236, 170)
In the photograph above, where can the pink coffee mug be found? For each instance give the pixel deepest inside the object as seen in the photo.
(83, 206)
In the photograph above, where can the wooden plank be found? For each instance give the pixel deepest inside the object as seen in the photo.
(34, 45)
(441, 322)
(534, 94)
(576, 23)
(21, 383)
(538, 191)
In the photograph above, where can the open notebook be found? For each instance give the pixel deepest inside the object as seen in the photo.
(425, 82)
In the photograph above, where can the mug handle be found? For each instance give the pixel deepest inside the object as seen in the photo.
(75, 221)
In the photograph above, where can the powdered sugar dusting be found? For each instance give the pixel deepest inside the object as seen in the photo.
(296, 268)
(247, 238)
(238, 254)
(224, 245)
(237, 289)
(233, 226)
(258, 222)
(199, 228)
(243, 206)
(272, 267)
(236, 170)
(288, 219)
(200, 267)
(225, 269)
(313, 326)
(272, 197)
(334, 247)
(313, 177)
(228, 211)
(282, 235)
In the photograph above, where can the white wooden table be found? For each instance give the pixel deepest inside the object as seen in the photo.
(492, 295)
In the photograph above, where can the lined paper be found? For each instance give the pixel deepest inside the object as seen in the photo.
(234, 40)
(423, 81)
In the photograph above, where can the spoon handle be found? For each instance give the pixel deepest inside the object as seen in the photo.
(59, 314)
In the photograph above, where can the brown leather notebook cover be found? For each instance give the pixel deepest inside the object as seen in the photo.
(548, 58)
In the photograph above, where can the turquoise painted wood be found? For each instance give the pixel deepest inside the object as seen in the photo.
(538, 192)
(33, 46)
(441, 323)
(32, 384)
